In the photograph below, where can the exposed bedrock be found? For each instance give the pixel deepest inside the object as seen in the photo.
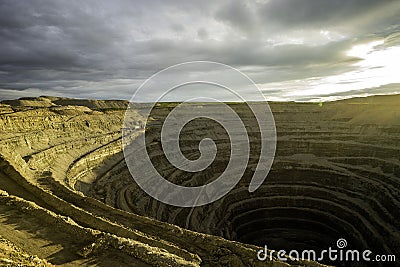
(53, 157)
(336, 174)
(331, 179)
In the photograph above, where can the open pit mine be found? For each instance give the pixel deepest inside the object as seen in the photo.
(68, 198)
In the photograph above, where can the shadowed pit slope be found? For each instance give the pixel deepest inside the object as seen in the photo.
(66, 188)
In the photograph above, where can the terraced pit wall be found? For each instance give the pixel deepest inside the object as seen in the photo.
(53, 160)
(336, 174)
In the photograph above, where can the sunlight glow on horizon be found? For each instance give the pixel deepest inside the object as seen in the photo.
(362, 51)
(377, 67)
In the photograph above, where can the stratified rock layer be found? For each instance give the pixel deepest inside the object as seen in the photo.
(336, 174)
(55, 152)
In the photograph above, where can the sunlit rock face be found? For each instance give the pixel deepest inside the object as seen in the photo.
(336, 174)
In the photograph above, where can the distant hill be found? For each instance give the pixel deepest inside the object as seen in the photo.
(51, 101)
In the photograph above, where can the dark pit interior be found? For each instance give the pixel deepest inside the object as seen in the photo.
(328, 181)
(336, 174)
(331, 178)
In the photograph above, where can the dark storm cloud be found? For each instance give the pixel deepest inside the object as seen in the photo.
(238, 14)
(104, 48)
(312, 13)
(276, 17)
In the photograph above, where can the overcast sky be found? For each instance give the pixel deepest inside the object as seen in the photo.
(293, 49)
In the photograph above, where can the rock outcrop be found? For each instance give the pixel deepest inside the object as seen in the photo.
(336, 174)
